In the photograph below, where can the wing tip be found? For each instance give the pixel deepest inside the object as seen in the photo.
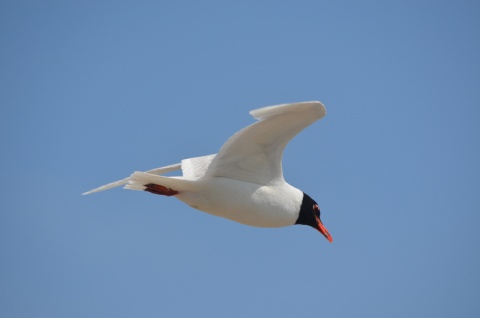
(269, 111)
(92, 191)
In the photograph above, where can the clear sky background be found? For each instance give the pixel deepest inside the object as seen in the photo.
(91, 91)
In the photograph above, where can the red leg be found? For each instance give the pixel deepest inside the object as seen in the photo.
(161, 190)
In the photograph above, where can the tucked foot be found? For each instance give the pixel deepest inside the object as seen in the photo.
(158, 189)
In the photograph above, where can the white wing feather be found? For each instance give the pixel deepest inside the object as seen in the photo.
(195, 168)
(192, 169)
(156, 171)
(254, 154)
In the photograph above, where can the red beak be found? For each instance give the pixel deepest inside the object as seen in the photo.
(322, 229)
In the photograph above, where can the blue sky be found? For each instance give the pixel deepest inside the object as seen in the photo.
(94, 90)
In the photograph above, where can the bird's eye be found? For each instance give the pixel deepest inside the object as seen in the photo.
(316, 209)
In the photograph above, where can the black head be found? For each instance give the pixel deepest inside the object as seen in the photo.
(310, 215)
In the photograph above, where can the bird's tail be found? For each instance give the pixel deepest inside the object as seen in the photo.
(158, 184)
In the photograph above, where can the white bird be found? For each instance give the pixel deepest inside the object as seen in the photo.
(244, 181)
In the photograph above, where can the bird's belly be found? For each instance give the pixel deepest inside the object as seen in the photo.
(246, 203)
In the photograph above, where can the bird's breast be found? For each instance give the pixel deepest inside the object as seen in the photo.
(247, 203)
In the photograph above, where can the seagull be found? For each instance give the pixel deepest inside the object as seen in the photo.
(244, 181)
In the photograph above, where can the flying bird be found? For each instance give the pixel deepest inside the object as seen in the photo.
(244, 181)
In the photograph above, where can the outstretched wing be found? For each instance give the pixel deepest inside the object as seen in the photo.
(192, 169)
(119, 183)
(254, 154)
